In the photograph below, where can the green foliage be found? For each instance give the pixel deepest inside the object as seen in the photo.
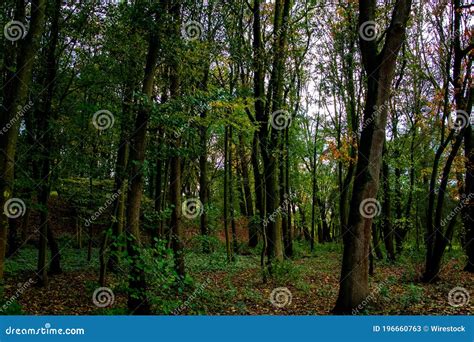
(413, 295)
(163, 280)
(201, 243)
(285, 272)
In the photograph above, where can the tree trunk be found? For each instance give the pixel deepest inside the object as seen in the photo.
(380, 68)
(253, 225)
(175, 171)
(437, 239)
(203, 178)
(376, 242)
(235, 245)
(387, 213)
(314, 191)
(45, 146)
(259, 95)
(289, 226)
(226, 195)
(137, 300)
(17, 95)
(120, 182)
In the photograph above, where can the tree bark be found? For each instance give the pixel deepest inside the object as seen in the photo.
(226, 195)
(137, 300)
(387, 213)
(120, 181)
(175, 171)
(16, 98)
(380, 68)
(235, 245)
(253, 226)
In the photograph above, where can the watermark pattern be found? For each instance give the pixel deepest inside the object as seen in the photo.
(280, 119)
(46, 330)
(282, 208)
(179, 132)
(103, 119)
(368, 30)
(281, 297)
(192, 30)
(103, 208)
(370, 298)
(191, 298)
(458, 296)
(370, 207)
(464, 202)
(103, 297)
(425, 110)
(376, 114)
(15, 30)
(192, 208)
(14, 208)
(461, 120)
(21, 112)
(21, 289)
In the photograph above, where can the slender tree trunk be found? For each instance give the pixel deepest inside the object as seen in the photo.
(175, 171)
(45, 146)
(271, 138)
(376, 242)
(120, 185)
(226, 195)
(440, 239)
(258, 184)
(437, 238)
(283, 196)
(235, 245)
(137, 301)
(387, 214)
(314, 190)
(259, 95)
(380, 68)
(289, 229)
(17, 96)
(253, 225)
(203, 178)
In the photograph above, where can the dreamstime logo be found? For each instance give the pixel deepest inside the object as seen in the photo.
(458, 296)
(461, 121)
(103, 208)
(14, 30)
(20, 113)
(14, 208)
(280, 119)
(191, 298)
(192, 208)
(179, 132)
(369, 208)
(103, 297)
(464, 202)
(281, 297)
(192, 30)
(370, 298)
(282, 208)
(369, 30)
(377, 111)
(103, 119)
(22, 287)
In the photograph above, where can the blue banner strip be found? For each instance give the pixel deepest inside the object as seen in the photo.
(237, 328)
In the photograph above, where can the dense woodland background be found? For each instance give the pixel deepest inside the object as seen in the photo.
(236, 157)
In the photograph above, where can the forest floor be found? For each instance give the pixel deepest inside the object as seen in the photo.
(216, 287)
